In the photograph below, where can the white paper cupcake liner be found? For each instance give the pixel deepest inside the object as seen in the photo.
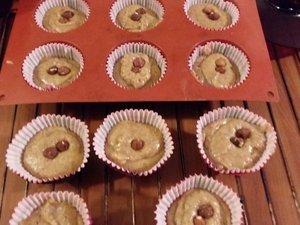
(17, 146)
(26, 206)
(154, 5)
(135, 47)
(141, 116)
(203, 182)
(240, 113)
(78, 5)
(234, 54)
(59, 50)
(226, 6)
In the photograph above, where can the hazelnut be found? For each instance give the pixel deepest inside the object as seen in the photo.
(50, 153)
(198, 220)
(67, 14)
(139, 62)
(207, 10)
(205, 211)
(220, 62)
(213, 16)
(62, 145)
(221, 70)
(52, 70)
(238, 142)
(136, 16)
(63, 71)
(137, 144)
(243, 133)
(141, 11)
(135, 69)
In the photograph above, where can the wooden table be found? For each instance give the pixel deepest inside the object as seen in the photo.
(271, 196)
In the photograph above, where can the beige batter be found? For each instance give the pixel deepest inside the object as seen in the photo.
(135, 146)
(43, 79)
(57, 20)
(64, 163)
(186, 209)
(140, 21)
(147, 76)
(209, 16)
(206, 70)
(224, 152)
(54, 213)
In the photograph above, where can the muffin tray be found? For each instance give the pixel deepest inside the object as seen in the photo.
(175, 36)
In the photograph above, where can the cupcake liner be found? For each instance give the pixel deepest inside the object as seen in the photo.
(154, 5)
(226, 6)
(240, 113)
(78, 5)
(26, 206)
(203, 182)
(17, 146)
(49, 50)
(142, 116)
(135, 47)
(234, 54)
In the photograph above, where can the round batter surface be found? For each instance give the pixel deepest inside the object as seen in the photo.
(209, 16)
(53, 72)
(53, 152)
(198, 206)
(136, 70)
(62, 19)
(207, 70)
(234, 143)
(136, 147)
(137, 18)
(54, 213)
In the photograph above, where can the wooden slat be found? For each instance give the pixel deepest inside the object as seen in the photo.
(288, 132)
(13, 183)
(291, 76)
(93, 183)
(7, 115)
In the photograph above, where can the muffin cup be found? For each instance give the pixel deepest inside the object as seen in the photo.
(26, 206)
(239, 113)
(141, 116)
(203, 182)
(234, 54)
(78, 5)
(135, 47)
(154, 5)
(226, 6)
(17, 146)
(49, 50)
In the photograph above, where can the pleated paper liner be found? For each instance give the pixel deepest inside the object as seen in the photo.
(243, 114)
(17, 146)
(140, 116)
(27, 206)
(205, 183)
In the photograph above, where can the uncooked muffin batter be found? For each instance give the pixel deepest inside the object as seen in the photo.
(209, 16)
(135, 146)
(137, 18)
(216, 70)
(199, 206)
(54, 213)
(136, 70)
(234, 143)
(54, 72)
(52, 152)
(62, 19)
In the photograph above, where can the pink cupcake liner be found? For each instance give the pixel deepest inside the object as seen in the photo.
(226, 6)
(135, 47)
(240, 113)
(26, 206)
(203, 182)
(118, 5)
(79, 5)
(17, 146)
(141, 116)
(237, 56)
(49, 50)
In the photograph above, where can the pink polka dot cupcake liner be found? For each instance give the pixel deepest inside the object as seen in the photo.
(243, 114)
